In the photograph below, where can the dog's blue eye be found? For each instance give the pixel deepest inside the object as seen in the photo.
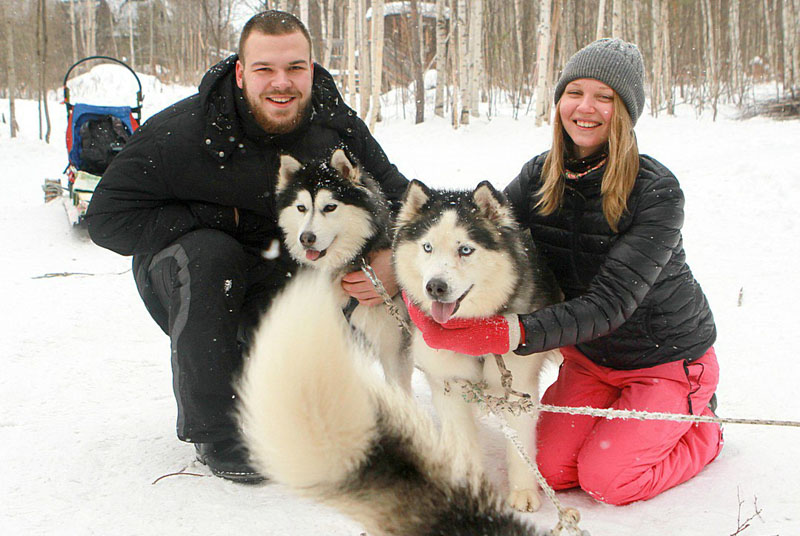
(426, 247)
(329, 208)
(465, 251)
(301, 208)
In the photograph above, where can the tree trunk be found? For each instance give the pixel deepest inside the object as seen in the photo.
(542, 52)
(73, 30)
(441, 59)
(667, 89)
(616, 19)
(377, 61)
(658, 55)
(453, 58)
(12, 75)
(737, 86)
(463, 54)
(41, 56)
(520, 71)
(130, 38)
(475, 51)
(304, 12)
(789, 36)
(711, 65)
(329, 30)
(364, 62)
(352, 13)
(416, 63)
(601, 19)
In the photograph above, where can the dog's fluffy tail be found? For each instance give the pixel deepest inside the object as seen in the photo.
(317, 418)
(305, 407)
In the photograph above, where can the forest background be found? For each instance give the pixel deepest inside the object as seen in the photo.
(696, 51)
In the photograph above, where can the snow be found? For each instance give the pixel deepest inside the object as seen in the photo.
(88, 417)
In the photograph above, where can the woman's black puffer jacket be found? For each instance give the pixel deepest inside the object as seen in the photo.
(630, 298)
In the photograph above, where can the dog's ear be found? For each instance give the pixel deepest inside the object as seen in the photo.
(417, 194)
(493, 205)
(344, 167)
(289, 166)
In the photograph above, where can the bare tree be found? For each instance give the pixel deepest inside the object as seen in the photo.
(12, 74)
(352, 13)
(73, 29)
(441, 59)
(542, 52)
(41, 56)
(416, 63)
(377, 61)
(364, 62)
(475, 55)
(464, 70)
(711, 56)
(601, 19)
(616, 18)
(737, 86)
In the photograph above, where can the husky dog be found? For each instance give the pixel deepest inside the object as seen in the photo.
(332, 213)
(319, 420)
(460, 255)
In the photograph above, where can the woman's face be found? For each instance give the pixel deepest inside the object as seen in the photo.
(586, 108)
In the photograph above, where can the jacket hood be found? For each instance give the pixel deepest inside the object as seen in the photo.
(220, 97)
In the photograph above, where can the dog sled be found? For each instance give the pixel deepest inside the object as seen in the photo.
(95, 135)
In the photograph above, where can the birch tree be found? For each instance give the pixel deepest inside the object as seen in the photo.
(737, 86)
(377, 61)
(601, 19)
(441, 59)
(12, 73)
(364, 62)
(416, 63)
(542, 51)
(475, 52)
(616, 19)
(304, 12)
(711, 56)
(352, 13)
(72, 31)
(657, 58)
(463, 54)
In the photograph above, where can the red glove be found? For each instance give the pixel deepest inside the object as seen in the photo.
(471, 336)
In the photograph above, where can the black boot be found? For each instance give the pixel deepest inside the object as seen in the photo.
(228, 459)
(712, 404)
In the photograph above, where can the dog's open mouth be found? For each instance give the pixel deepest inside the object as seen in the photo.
(444, 311)
(315, 255)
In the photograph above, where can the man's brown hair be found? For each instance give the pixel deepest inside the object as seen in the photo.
(272, 22)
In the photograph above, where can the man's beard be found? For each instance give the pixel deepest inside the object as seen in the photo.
(270, 125)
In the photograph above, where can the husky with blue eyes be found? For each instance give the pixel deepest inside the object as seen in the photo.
(333, 214)
(460, 255)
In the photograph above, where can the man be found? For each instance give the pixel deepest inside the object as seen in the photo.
(191, 198)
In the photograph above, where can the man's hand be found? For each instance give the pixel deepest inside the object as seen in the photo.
(357, 285)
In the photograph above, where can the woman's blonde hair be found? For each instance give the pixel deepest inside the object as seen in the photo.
(618, 177)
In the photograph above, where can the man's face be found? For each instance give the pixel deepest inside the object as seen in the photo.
(275, 75)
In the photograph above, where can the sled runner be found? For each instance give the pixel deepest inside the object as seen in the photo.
(95, 134)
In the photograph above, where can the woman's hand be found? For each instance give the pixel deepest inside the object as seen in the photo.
(497, 334)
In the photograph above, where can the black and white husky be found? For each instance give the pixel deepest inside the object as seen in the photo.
(332, 214)
(317, 418)
(461, 254)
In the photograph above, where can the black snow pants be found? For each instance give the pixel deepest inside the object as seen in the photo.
(207, 292)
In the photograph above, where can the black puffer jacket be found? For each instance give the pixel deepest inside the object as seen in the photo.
(189, 165)
(630, 299)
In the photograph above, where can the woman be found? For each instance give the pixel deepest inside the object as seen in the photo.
(635, 329)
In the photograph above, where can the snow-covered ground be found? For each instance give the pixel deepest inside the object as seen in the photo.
(87, 415)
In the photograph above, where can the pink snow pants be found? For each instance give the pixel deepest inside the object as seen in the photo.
(618, 461)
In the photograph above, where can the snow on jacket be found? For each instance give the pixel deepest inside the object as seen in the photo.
(188, 166)
(630, 298)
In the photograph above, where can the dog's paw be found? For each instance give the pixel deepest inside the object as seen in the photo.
(525, 500)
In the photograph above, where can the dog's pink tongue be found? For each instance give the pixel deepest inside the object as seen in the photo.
(312, 254)
(441, 312)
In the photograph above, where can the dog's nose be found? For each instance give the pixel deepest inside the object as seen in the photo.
(436, 288)
(307, 239)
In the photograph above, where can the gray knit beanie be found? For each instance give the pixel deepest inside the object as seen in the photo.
(616, 63)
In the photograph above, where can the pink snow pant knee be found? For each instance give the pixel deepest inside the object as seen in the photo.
(619, 461)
